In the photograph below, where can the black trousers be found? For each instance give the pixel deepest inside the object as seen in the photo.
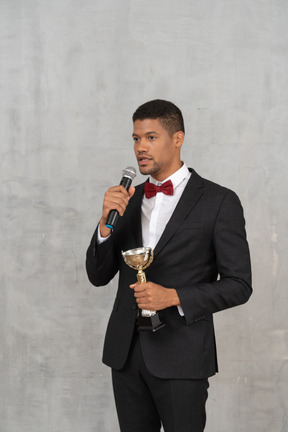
(144, 402)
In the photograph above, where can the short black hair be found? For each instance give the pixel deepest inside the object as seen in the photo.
(166, 112)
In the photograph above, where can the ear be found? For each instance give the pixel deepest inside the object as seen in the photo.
(179, 139)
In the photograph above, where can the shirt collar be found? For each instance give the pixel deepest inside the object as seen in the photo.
(176, 178)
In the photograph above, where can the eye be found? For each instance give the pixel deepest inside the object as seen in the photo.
(151, 137)
(136, 139)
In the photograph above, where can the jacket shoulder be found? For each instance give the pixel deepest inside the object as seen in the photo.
(210, 186)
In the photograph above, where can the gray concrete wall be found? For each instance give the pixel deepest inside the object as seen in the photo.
(71, 74)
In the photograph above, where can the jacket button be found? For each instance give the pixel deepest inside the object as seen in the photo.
(134, 306)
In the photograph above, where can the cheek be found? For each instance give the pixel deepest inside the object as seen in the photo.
(164, 156)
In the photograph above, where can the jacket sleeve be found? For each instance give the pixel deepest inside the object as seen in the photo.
(101, 261)
(233, 286)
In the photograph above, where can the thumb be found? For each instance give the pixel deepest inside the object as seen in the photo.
(131, 191)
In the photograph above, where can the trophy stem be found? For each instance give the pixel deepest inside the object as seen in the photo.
(141, 277)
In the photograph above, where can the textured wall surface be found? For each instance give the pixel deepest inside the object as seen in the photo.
(71, 74)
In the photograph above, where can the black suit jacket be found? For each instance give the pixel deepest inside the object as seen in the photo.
(205, 237)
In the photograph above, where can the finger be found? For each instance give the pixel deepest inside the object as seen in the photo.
(140, 289)
(140, 296)
(138, 286)
(116, 197)
(135, 286)
(115, 201)
(131, 191)
(146, 306)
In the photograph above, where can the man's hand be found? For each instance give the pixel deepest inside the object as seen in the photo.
(151, 296)
(115, 198)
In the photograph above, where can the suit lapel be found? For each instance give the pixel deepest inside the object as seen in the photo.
(190, 196)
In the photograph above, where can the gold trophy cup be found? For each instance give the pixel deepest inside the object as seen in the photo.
(139, 259)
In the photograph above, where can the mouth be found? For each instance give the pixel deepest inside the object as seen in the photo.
(143, 160)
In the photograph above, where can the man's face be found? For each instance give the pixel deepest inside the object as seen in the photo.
(157, 152)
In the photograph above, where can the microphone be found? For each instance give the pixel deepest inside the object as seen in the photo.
(128, 175)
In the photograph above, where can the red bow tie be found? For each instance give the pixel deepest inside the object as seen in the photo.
(151, 189)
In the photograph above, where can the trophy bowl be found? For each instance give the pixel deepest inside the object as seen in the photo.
(139, 258)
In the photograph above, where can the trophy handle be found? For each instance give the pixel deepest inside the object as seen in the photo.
(141, 277)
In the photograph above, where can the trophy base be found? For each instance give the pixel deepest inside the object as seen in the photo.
(152, 323)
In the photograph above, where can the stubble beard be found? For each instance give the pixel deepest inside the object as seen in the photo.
(150, 171)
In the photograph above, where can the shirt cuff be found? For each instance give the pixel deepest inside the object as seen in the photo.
(99, 238)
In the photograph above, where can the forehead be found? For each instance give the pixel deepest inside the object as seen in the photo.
(146, 126)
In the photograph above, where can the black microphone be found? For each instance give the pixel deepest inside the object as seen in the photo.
(128, 174)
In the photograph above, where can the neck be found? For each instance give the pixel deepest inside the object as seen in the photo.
(161, 177)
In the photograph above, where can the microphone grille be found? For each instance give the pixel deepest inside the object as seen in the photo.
(129, 172)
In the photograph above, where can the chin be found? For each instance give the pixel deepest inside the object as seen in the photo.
(145, 170)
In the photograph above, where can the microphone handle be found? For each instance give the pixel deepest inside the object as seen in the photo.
(113, 214)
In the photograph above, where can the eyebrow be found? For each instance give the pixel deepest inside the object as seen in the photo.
(147, 133)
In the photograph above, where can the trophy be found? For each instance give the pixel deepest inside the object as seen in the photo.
(139, 259)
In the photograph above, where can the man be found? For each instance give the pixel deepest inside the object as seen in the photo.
(201, 266)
